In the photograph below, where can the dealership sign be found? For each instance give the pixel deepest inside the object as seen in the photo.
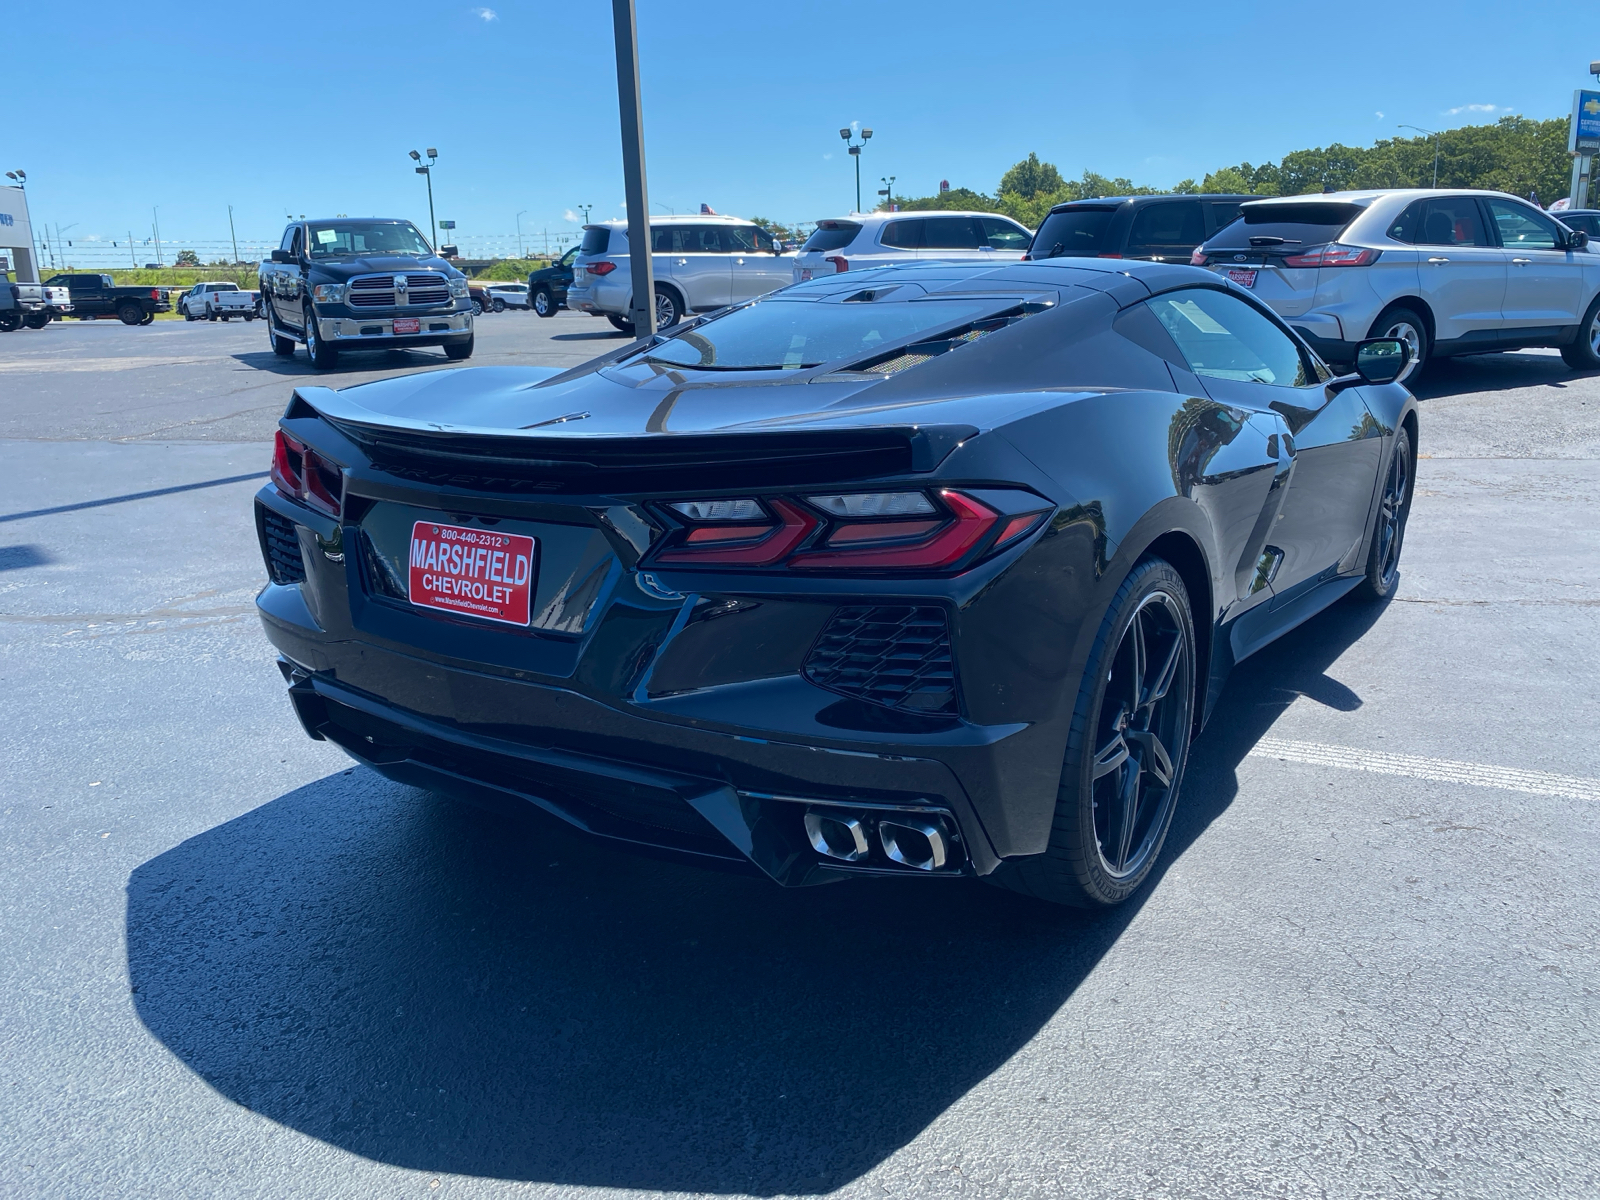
(1585, 135)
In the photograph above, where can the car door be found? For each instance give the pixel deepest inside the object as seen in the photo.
(1166, 230)
(698, 263)
(1462, 275)
(1004, 239)
(756, 267)
(286, 289)
(1246, 358)
(1544, 279)
(953, 239)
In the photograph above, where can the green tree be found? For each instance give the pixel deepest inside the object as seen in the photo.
(1030, 177)
(186, 258)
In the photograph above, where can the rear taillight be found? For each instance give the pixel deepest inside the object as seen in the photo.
(1198, 258)
(839, 264)
(860, 531)
(601, 268)
(1108, 256)
(300, 472)
(1334, 255)
(155, 293)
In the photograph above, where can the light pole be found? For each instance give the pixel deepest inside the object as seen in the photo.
(1435, 138)
(520, 215)
(427, 171)
(234, 236)
(585, 208)
(155, 226)
(887, 191)
(20, 178)
(855, 153)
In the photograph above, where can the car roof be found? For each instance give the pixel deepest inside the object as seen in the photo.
(866, 218)
(1102, 201)
(1367, 196)
(676, 219)
(957, 276)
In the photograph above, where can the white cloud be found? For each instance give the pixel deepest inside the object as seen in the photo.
(1379, 115)
(827, 157)
(486, 14)
(575, 218)
(1475, 108)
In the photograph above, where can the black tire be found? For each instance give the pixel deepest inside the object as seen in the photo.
(543, 302)
(460, 350)
(149, 319)
(9, 322)
(669, 309)
(323, 356)
(226, 316)
(187, 315)
(1584, 353)
(211, 313)
(477, 309)
(620, 323)
(499, 305)
(130, 313)
(36, 320)
(249, 316)
(1131, 724)
(281, 346)
(1389, 522)
(1410, 328)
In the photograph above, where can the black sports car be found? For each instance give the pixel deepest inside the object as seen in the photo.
(922, 571)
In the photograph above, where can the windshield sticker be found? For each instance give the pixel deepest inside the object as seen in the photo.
(327, 235)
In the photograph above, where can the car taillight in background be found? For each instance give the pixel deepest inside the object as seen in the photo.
(155, 293)
(601, 268)
(853, 531)
(839, 264)
(1334, 255)
(1198, 258)
(301, 472)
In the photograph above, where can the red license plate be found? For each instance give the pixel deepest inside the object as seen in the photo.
(407, 325)
(1243, 277)
(473, 572)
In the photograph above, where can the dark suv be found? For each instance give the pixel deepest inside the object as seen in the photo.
(1155, 228)
(368, 284)
(547, 288)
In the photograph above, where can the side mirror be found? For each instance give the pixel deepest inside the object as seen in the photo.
(1577, 240)
(282, 256)
(1378, 361)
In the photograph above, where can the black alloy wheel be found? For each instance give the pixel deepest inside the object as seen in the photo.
(1389, 524)
(1126, 750)
(9, 322)
(130, 313)
(543, 302)
(323, 356)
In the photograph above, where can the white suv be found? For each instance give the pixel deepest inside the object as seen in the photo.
(864, 240)
(1449, 272)
(700, 263)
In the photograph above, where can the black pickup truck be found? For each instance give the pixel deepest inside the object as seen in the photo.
(95, 296)
(369, 284)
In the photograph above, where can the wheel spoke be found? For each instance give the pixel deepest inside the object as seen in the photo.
(1129, 810)
(1156, 760)
(1110, 756)
(1162, 683)
(1137, 648)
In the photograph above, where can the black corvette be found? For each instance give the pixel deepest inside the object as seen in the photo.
(924, 571)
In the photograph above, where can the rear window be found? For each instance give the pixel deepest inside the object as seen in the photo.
(934, 233)
(832, 235)
(595, 241)
(1073, 233)
(1587, 222)
(224, 287)
(1305, 224)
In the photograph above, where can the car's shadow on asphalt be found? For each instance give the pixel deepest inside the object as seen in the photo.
(427, 986)
(1475, 373)
(349, 364)
(599, 335)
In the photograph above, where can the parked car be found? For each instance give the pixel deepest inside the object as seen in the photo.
(925, 571)
(865, 240)
(217, 301)
(1586, 219)
(31, 304)
(701, 263)
(1449, 272)
(346, 284)
(96, 297)
(1154, 228)
(478, 294)
(509, 295)
(547, 287)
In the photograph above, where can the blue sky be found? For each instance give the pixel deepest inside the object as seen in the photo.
(302, 109)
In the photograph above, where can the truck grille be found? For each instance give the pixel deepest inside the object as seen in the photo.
(281, 546)
(378, 291)
(897, 656)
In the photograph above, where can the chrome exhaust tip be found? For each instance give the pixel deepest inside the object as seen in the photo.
(922, 845)
(836, 835)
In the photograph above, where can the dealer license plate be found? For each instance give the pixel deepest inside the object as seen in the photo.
(1243, 277)
(473, 572)
(407, 325)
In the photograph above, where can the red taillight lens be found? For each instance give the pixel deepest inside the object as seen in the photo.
(301, 472)
(1197, 259)
(745, 544)
(601, 268)
(950, 543)
(1334, 255)
(839, 264)
(1108, 256)
(155, 293)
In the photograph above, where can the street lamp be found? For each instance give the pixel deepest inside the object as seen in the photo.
(520, 215)
(585, 208)
(887, 191)
(855, 153)
(1435, 138)
(433, 225)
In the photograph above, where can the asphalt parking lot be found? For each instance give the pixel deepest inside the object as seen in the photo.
(232, 964)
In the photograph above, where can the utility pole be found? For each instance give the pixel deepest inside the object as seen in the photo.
(133, 251)
(625, 27)
(1435, 138)
(155, 225)
(233, 235)
(520, 215)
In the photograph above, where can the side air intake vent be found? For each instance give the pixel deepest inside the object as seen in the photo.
(281, 547)
(897, 656)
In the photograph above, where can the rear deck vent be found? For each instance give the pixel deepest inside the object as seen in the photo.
(894, 655)
(281, 545)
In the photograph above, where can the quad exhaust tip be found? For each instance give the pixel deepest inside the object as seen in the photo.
(922, 845)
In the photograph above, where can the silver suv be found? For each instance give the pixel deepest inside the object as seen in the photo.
(700, 263)
(1448, 272)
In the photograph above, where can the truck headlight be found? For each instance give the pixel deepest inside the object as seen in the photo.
(458, 287)
(328, 293)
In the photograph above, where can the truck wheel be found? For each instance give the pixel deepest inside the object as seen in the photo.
(477, 309)
(543, 302)
(249, 316)
(187, 315)
(281, 346)
(499, 305)
(36, 320)
(149, 318)
(460, 350)
(619, 323)
(9, 321)
(323, 356)
(130, 313)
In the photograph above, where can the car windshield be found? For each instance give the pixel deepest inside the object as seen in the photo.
(343, 238)
(786, 335)
(1073, 233)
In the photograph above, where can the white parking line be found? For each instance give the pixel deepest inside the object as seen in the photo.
(1444, 770)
